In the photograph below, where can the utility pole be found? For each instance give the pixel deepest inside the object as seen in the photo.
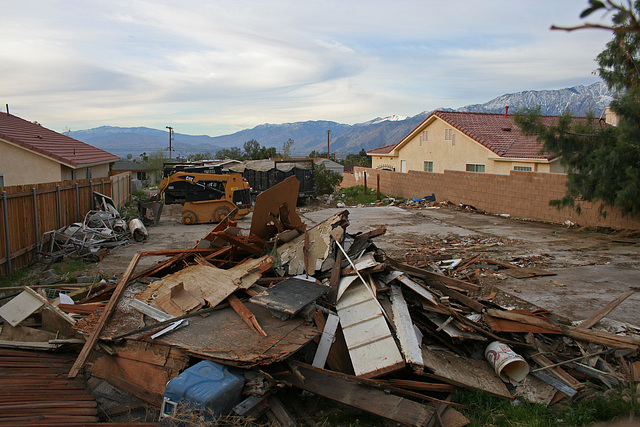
(328, 141)
(170, 139)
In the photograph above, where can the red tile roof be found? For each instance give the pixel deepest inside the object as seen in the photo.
(59, 147)
(497, 132)
(386, 149)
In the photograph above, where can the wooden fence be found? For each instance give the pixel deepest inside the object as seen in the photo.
(29, 211)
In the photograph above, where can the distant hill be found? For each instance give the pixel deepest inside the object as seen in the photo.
(345, 139)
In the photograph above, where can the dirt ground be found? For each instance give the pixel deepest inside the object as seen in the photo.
(591, 267)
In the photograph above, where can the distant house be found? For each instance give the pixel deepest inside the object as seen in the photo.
(330, 165)
(473, 142)
(125, 165)
(32, 154)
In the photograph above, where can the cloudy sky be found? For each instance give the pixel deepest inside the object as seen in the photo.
(216, 67)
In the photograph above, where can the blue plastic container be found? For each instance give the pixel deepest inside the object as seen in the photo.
(206, 385)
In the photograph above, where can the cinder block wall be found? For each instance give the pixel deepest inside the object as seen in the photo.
(520, 194)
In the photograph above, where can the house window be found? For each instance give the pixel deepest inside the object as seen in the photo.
(1, 180)
(73, 174)
(88, 172)
(424, 137)
(403, 166)
(471, 167)
(448, 134)
(428, 166)
(522, 168)
(453, 140)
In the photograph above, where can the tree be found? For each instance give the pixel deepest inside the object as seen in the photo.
(602, 161)
(360, 159)
(254, 151)
(286, 149)
(326, 180)
(199, 156)
(153, 164)
(316, 155)
(229, 153)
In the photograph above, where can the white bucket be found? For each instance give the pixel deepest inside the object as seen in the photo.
(506, 362)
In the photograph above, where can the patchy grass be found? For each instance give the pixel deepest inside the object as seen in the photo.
(356, 196)
(612, 405)
(21, 277)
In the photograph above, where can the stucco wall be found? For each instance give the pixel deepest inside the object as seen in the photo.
(21, 167)
(450, 155)
(519, 194)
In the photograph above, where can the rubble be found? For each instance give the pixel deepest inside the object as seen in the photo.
(101, 230)
(321, 310)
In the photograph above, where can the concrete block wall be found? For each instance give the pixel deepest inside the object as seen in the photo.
(520, 194)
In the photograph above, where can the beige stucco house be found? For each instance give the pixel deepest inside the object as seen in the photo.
(33, 154)
(474, 142)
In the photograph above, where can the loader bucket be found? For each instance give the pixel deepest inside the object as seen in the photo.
(150, 211)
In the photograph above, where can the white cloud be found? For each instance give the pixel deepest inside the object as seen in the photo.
(222, 65)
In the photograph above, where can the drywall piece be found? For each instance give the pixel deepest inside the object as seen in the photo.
(404, 328)
(371, 345)
(19, 308)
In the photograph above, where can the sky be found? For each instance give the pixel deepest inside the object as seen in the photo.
(216, 67)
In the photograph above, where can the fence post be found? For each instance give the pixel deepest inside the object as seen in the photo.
(59, 206)
(6, 231)
(35, 222)
(102, 185)
(78, 202)
(93, 204)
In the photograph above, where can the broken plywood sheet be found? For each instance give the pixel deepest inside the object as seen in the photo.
(463, 372)
(207, 282)
(230, 341)
(371, 345)
(291, 295)
(320, 256)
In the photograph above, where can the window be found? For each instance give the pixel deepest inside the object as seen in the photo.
(2, 180)
(522, 168)
(424, 137)
(474, 168)
(428, 166)
(403, 166)
(88, 172)
(73, 174)
(448, 134)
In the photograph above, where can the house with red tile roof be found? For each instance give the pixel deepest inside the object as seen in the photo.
(461, 141)
(33, 154)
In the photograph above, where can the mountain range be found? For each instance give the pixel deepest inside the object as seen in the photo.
(345, 139)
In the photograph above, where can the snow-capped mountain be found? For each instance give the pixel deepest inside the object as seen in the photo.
(345, 139)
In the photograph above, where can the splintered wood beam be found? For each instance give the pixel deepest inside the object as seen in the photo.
(596, 317)
(247, 316)
(106, 313)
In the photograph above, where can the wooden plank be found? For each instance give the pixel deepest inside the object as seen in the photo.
(528, 319)
(326, 340)
(247, 316)
(134, 389)
(372, 348)
(596, 317)
(346, 390)
(61, 314)
(404, 328)
(463, 372)
(280, 412)
(106, 313)
(338, 359)
(419, 272)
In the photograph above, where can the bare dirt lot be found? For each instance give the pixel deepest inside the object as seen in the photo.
(592, 268)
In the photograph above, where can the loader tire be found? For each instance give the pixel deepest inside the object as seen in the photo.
(220, 213)
(189, 218)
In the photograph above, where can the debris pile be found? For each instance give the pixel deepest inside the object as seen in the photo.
(232, 323)
(102, 229)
